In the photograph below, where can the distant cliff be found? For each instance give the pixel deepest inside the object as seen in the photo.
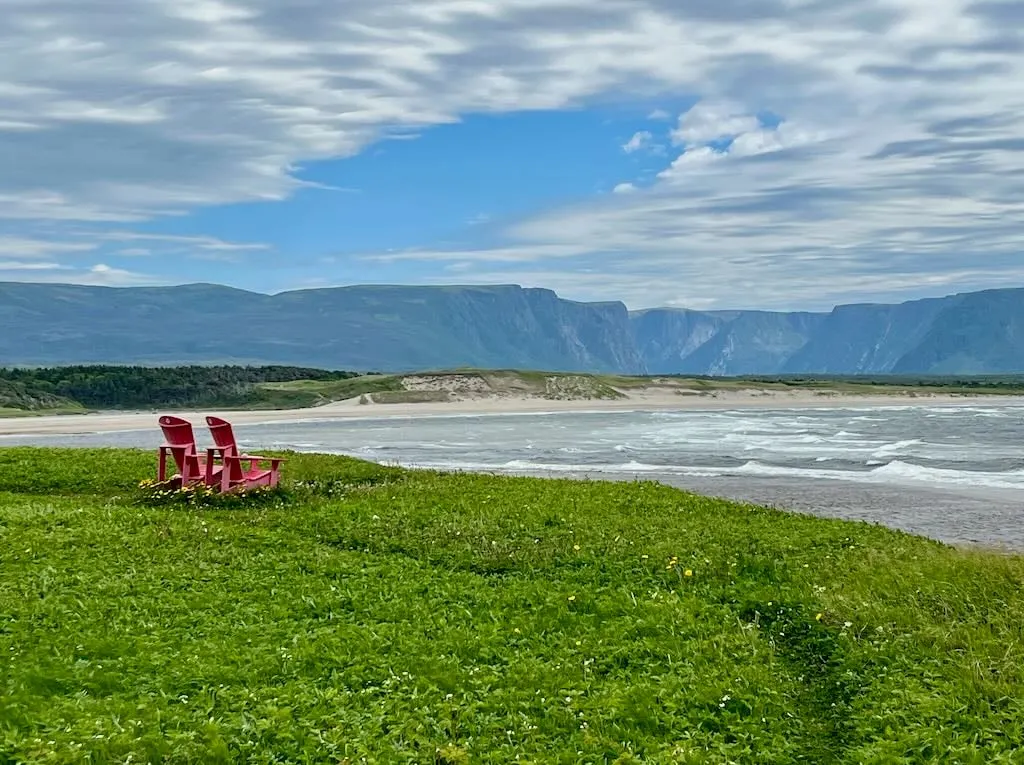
(396, 328)
(365, 327)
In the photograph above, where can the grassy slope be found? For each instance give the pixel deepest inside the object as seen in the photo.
(387, 616)
(15, 400)
(607, 385)
(283, 395)
(846, 386)
(11, 412)
(304, 393)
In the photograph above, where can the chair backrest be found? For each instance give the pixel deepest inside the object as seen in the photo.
(178, 433)
(223, 435)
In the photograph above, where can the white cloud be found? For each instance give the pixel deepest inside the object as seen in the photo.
(624, 188)
(25, 247)
(29, 265)
(899, 152)
(711, 121)
(697, 156)
(491, 255)
(739, 135)
(117, 277)
(18, 125)
(106, 276)
(59, 273)
(197, 242)
(896, 170)
(637, 142)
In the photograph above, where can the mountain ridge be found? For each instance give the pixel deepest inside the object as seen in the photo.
(401, 328)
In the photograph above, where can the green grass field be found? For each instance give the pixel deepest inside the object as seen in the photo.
(370, 614)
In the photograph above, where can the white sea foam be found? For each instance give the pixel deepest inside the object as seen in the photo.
(1011, 479)
(960, 446)
(895, 472)
(895, 448)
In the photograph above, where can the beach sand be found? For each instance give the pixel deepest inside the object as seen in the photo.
(645, 399)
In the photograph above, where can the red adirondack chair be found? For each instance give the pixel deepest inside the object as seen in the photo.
(180, 445)
(236, 475)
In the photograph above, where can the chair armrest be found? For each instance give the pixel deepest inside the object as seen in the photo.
(252, 460)
(166, 450)
(264, 459)
(214, 453)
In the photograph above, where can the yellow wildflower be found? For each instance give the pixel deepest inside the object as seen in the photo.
(688, 572)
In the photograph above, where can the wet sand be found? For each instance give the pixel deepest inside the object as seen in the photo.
(991, 518)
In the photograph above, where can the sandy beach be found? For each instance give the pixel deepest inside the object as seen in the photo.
(648, 399)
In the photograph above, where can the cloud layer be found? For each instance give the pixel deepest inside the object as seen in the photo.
(839, 149)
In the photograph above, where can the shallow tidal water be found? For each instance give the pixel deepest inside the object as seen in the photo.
(954, 473)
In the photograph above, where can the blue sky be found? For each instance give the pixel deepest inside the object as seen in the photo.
(791, 154)
(453, 186)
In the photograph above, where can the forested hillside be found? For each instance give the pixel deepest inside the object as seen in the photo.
(133, 387)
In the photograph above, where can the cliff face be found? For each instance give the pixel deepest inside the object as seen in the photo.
(865, 338)
(974, 333)
(754, 342)
(366, 327)
(666, 338)
(412, 328)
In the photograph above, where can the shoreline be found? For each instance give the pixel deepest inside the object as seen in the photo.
(352, 409)
(967, 518)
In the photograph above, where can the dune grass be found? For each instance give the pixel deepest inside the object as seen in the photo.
(372, 614)
(306, 393)
(13, 412)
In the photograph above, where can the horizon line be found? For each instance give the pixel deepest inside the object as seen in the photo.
(490, 286)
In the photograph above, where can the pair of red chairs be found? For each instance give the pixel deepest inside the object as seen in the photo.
(223, 465)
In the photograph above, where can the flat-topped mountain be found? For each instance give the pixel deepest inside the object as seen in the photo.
(403, 328)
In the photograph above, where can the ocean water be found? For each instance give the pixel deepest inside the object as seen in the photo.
(952, 472)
